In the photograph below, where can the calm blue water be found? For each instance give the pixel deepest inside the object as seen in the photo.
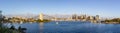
(70, 27)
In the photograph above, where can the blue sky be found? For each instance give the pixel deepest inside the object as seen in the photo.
(104, 8)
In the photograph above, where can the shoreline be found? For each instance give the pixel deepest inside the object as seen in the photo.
(111, 22)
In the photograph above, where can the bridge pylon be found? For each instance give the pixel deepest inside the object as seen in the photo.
(41, 16)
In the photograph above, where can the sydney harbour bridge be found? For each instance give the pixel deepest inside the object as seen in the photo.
(42, 16)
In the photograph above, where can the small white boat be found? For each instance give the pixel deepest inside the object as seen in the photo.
(30, 22)
(21, 22)
(57, 23)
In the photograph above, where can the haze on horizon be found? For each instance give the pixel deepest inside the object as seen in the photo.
(104, 8)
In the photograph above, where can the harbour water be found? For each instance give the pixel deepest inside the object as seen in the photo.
(69, 27)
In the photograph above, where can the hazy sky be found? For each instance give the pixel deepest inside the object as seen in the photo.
(91, 7)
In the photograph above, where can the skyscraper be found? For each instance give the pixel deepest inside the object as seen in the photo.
(1, 14)
(97, 17)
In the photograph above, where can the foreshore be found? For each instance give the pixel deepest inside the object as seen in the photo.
(111, 22)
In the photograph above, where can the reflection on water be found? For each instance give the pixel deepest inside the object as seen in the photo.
(41, 27)
(70, 27)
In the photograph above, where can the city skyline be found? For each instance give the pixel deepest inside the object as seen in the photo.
(104, 8)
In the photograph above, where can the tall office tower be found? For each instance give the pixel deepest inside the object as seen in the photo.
(97, 17)
(75, 17)
(84, 16)
(41, 17)
(1, 14)
(70, 18)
